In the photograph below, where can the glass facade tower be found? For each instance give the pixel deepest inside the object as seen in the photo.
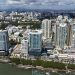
(35, 41)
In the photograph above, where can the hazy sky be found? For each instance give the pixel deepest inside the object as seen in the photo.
(45, 4)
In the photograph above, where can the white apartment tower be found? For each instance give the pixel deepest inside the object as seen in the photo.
(24, 48)
(61, 33)
(46, 28)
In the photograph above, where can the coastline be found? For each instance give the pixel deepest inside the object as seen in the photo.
(44, 69)
(41, 68)
(8, 61)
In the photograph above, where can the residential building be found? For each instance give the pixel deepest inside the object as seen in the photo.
(69, 35)
(61, 33)
(35, 42)
(46, 28)
(24, 48)
(4, 41)
(73, 37)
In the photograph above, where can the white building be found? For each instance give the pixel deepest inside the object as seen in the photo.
(12, 29)
(61, 33)
(24, 48)
(60, 18)
(46, 28)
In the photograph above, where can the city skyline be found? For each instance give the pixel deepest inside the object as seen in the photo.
(32, 4)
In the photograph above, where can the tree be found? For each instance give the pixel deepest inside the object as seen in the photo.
(20, 35)
(3, 26)
(12, 42)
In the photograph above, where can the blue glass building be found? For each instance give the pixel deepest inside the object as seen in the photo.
(35, 42)
(4, 41)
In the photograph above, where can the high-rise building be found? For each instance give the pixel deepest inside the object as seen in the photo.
(69, 35)
(73, 37)
(4, 41)
(46, 28)
(60, 18)
(35, 42)
(24, 48)
(61, 33)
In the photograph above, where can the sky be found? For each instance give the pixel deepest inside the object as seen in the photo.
(38, 4)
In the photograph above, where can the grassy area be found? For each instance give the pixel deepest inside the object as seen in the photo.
(71, 66)
(45, 64)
